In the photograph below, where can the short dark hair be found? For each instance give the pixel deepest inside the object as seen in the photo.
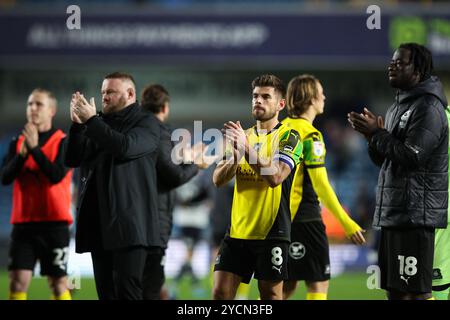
(121, 75)
(301, 92)
(269, 80)
(421, 58)
(154, 97)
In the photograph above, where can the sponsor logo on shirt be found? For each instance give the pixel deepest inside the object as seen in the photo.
(327, 269)
(406, 279)
(437, 275)
(278, 269)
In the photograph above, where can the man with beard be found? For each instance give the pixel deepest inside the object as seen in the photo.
(117, 204)
(412, 192)
(263, 159)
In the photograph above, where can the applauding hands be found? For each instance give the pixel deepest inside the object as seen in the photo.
(81, 110)
(365, 123)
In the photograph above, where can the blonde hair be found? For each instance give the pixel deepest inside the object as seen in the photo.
(301, 92)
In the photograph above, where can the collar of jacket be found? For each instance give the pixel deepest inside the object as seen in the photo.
(122, 114)
(162, 124)
(431, 86)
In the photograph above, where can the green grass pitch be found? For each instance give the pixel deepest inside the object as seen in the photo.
(348, 286)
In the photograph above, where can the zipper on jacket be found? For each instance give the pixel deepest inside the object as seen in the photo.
(380, 211)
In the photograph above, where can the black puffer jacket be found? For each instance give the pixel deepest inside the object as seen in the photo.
(413, 155)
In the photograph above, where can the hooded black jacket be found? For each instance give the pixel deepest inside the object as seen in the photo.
(413, 155)
(117, 201)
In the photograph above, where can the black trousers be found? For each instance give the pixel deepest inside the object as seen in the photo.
(119, 273)
(154, 277)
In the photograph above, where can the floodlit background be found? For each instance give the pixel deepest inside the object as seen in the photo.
(206, 54)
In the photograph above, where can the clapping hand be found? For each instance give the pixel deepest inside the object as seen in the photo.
(201, 157)
(365, 123)
(81, 110)
(31, 135)
(235, 135)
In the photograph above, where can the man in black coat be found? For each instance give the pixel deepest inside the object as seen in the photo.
(412, 193)
(117, 212)
(155, 99)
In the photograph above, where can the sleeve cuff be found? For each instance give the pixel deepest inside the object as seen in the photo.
(35, 151)
(375, 134)
(90, 119)
(93, 125)
(313, 166)
(77, 127)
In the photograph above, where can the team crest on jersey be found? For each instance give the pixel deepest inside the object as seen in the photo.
(297, 250)
(404, 119)
(318, 148)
